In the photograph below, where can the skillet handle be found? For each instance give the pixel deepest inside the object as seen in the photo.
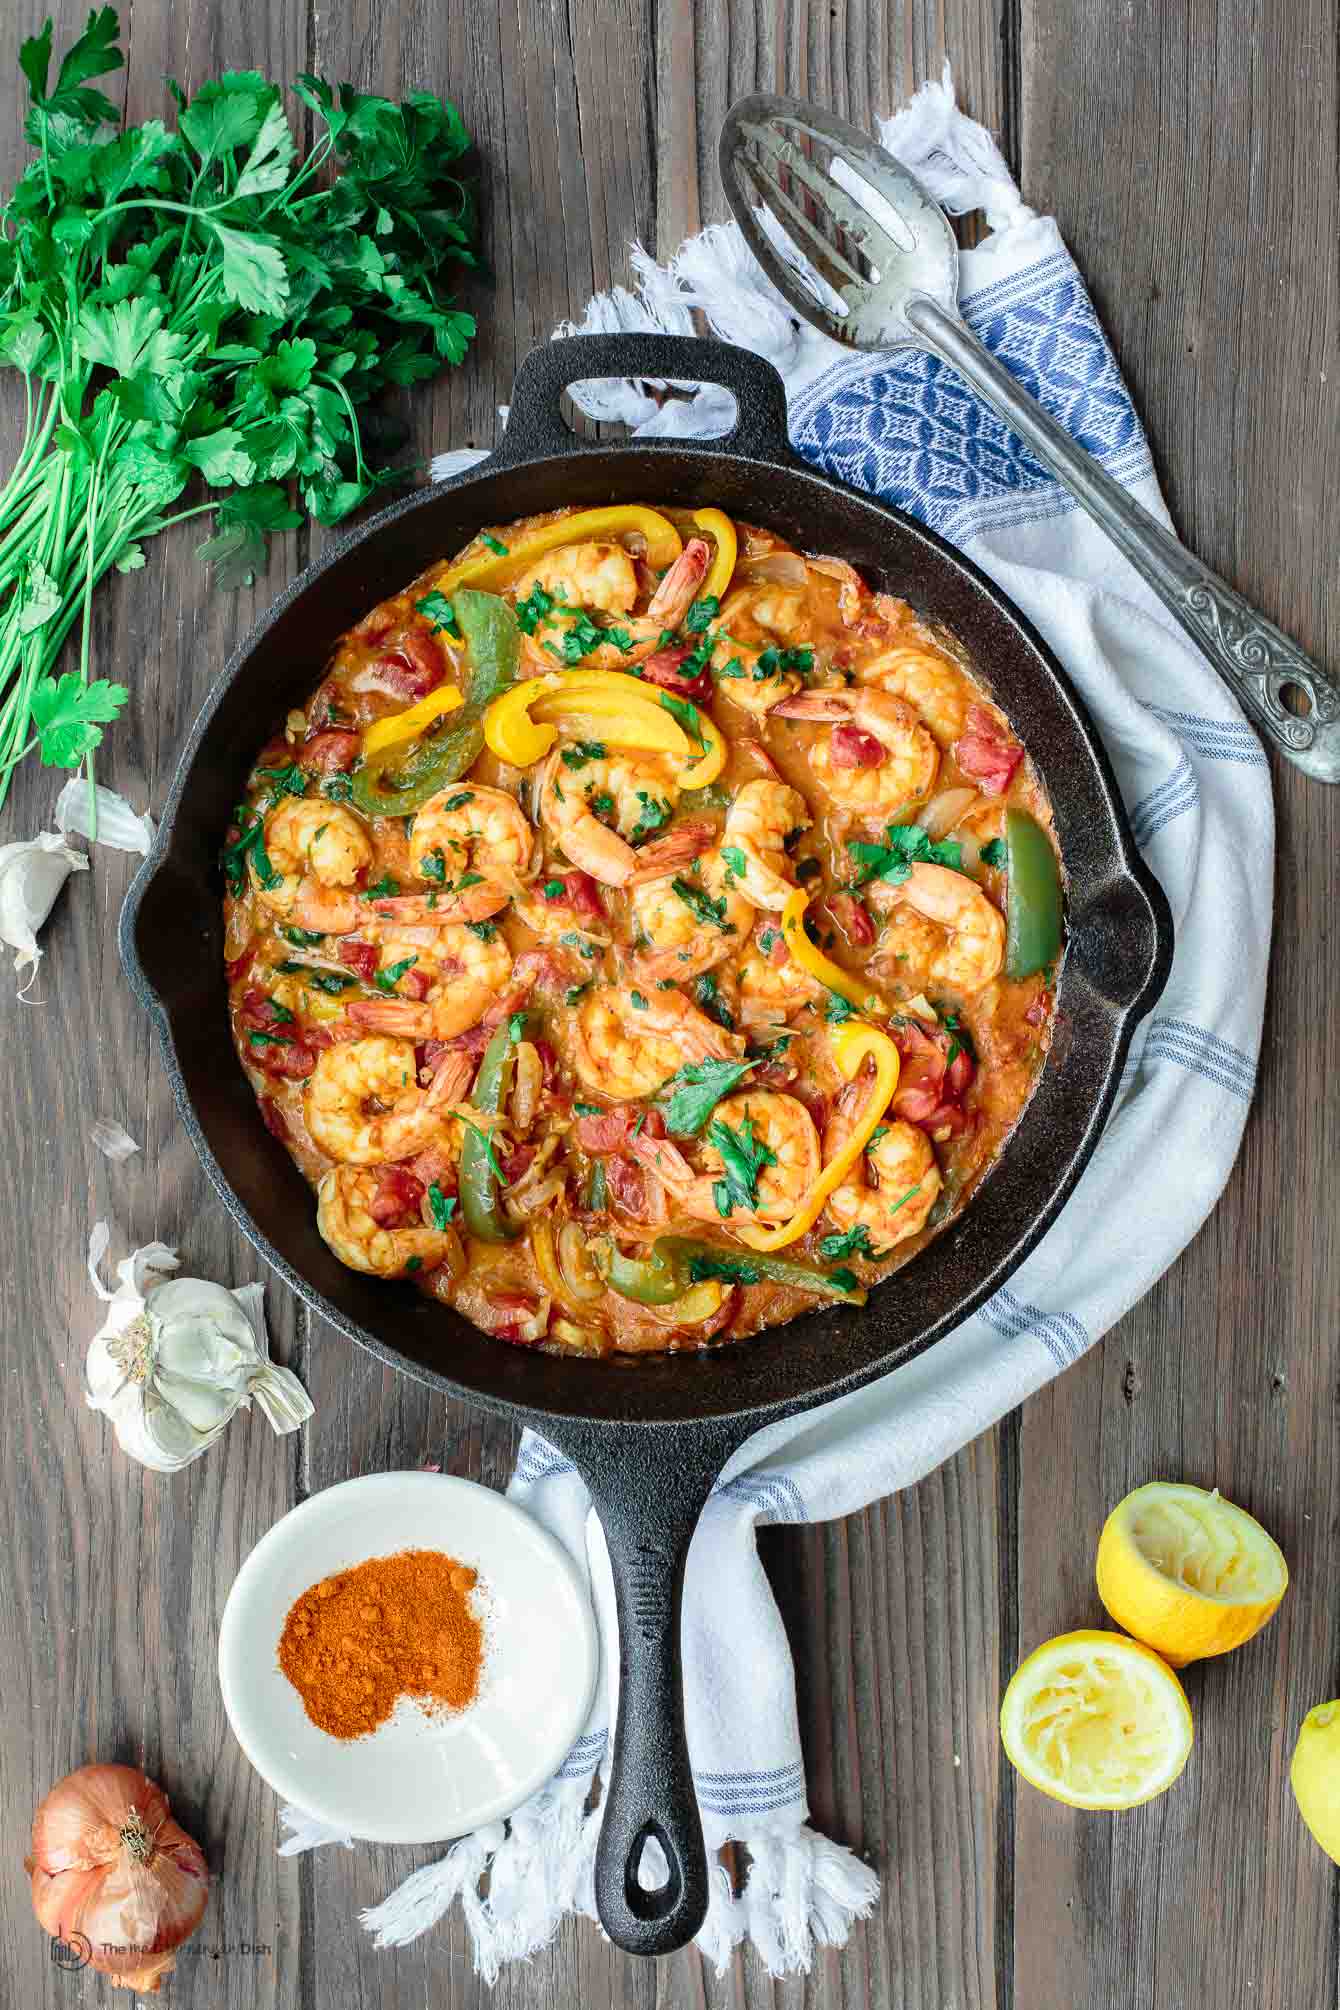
(536, 426)
(649, 1497)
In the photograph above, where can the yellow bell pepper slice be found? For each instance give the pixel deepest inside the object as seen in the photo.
(722, 531)
(852, 1043)
(857, 991)
(522, 725)
(491, 571)
(408, 725)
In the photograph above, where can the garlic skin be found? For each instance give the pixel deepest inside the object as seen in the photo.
(32, 873)
(80, 806)
(174, 1359)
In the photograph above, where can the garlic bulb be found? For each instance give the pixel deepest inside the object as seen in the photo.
(31, 875)
(174, 1359)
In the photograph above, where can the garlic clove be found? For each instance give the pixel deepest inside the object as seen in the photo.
(117, 824)
(32, 873)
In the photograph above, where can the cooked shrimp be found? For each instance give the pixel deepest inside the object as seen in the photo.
(591, 810)
(580, 580)
(318, 849)
(876, 756)
(758, 824)
(893, 1185)
(344, 1200)
(769, 1126)
(364, 1106)
(975, 950)
(464, 974)
(691, 920)
(468, 829)
(754, 621)
(928, 682)
(773, 985)
(627, 1043)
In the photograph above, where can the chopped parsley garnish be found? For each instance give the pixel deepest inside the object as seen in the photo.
(574, 992)
(733, 668)
(433, 866)
(329, 981)
(695, 1092)
(495, 544)
(251, 841)
(387, 979)
(587, 1110)
(712, 913)
(485, 931)
(458, 801)
(687, 716)
(469, 879)
(735, 859)
(637, 1001)
(486, 1139)
(553, 889)
(413, 1264)
(259, 1039)
(441, 1205)
(852, 1242)
(288, 780)
(653, 814)
(516, 1027)
(336, 788)
(581, 636)
(995, 853)
(384, 888)
(730, 1269)
(837, 1009)
(709, 998)
(581, 751)
(436, 608)
(570, 939)
(904, 846)
(531, 611)
(701, 615)
(768, 940)
(301, 938)
(776, 662)
(743, 1158)
(602, 802)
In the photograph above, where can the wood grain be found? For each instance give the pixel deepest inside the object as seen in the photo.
(1183, 147)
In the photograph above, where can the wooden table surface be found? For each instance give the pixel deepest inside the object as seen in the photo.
(1189, 151)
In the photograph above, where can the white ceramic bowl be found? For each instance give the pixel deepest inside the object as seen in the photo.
(416, 1779)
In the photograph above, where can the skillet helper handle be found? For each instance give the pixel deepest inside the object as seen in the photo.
(1256, 660)
(649, 1506)
(535, 423)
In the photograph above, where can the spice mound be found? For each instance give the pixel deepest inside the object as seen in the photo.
(391, 1627)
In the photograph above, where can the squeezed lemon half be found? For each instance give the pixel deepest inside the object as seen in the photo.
(1314, 1775)
(1187, 1572)
(1096, 1720)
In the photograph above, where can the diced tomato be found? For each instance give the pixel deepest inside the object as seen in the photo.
(259, 1009)
(959, 1074)
(472, 1041)
(361, 957)
(986, 752)
(722, 1317)
(415, 984)
(292, 1058)
(549, 969)
(324, 709)
(505, 1316)
(332, 751)
(398, 1199)
(576, 890)
(627, 1186)
(239, 966)
(850, 747)
(273, 1118)
(548, 1063)
(665, 667)
(852, 917)
(607, 1132)
(412, 669)
(516, 1162)
(434, 1166)
(320, 1037)
(922, 1074)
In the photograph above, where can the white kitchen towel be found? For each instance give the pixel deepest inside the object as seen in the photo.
(1198, 789)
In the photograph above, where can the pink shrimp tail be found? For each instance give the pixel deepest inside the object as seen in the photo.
(678, 590)
(391, 1015)
(676, 848)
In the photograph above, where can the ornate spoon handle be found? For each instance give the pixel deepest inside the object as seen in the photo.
(1255, 659)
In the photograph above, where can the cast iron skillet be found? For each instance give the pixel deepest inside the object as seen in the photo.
(650, 1437)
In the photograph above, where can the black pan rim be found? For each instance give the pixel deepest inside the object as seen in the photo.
(707, 1401)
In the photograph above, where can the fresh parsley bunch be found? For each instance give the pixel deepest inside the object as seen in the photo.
(201, 308)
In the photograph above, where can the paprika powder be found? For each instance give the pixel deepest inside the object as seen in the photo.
(394, 1626)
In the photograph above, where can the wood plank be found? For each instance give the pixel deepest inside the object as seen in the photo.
(115, 1577)
(1192, 209)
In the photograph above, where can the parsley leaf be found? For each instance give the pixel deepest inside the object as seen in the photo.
(436, 608)
(687, 716)
(581, 752)
(905, 845)
(712, 913)
(654, 813)
(69, 716)
(387, 979)
(994, 853)
(440, 1205)
(702, 614)
(695, 1092)
(743, 1158)
(852, 1242)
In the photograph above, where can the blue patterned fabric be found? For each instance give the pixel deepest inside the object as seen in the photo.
(907, 428)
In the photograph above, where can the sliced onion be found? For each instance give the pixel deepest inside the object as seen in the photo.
(524, 1200)
(537, 1325)
(634, 543)
(587, 1338)
(527, 1082)
(782, 568)
(920, 1007)
(574, 1266)
(971, 853)
(946, 811)
(700, 1302)
(452, 1260)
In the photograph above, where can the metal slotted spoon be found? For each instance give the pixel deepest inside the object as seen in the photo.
(884, 275)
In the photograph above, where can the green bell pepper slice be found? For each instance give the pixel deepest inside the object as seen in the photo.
(1032, 897)
(399, 780)
(675, 1263)
(481, 1202)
